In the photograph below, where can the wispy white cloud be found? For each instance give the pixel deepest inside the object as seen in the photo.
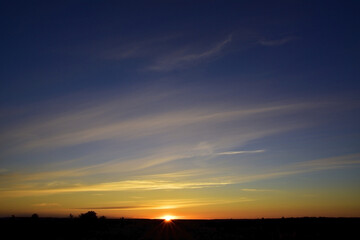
(172, 204)
(241, 152)
(171, 181)
(138, 145)
(183, 58)
(99, 124)
(127, 185)
(163, 53)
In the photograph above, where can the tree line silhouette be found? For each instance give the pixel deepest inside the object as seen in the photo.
(88, 216)
(88, 226)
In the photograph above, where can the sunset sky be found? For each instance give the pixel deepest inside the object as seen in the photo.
(195, 109)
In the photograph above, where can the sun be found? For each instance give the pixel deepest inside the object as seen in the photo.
(168, 218)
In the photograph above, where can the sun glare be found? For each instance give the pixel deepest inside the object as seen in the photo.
(168, 218)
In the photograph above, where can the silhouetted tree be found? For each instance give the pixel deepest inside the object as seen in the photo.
(35, 216)
(90, 216)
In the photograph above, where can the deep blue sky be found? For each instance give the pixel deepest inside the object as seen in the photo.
(241, 97)
(51, 48)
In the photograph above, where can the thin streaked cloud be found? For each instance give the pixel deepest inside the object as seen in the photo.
(162, 54)
(303, 167)
(149, 183)
(241, 152)
(172, 204)
(184, 58)
(329, 163)
(129, 185)
(108, 121)
(164, 138)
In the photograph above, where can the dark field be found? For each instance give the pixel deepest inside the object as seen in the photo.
(292, 228)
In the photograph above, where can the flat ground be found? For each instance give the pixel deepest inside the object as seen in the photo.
(292, 228)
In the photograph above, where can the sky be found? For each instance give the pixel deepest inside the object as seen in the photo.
(194, 109)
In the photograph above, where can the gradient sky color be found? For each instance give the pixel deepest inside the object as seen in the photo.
(194, 109)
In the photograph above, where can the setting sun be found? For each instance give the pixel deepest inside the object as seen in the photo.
(168, 218)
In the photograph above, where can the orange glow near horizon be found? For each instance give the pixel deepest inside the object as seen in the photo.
(168, 218)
